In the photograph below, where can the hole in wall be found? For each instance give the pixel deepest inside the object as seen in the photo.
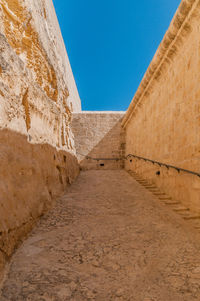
(102, 164)
(64, 159)
(131, 161)
(158, 173)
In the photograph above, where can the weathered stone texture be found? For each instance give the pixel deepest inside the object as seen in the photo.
(99, 135)
(163, 121)
(37, 97)
(107, 239)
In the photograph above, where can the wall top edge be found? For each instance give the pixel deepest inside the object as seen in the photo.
(101, 112)
(179, 27)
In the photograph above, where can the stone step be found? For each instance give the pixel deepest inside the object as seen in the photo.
(150, 186)
(191, 217)
(180, 209)
(163, 198)
(172, 202)
(158, 193)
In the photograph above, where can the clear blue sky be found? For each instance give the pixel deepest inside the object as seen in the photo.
(110, 44)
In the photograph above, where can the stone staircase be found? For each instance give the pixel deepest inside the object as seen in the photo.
(176, 206)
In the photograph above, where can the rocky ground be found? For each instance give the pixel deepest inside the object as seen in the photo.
(108, 238)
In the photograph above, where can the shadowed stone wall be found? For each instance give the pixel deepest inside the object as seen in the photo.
(163, 120)
(99, 135)
(37, 97)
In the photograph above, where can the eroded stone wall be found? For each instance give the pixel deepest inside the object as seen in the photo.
(37, 97)
(99, 135)
(163, 120)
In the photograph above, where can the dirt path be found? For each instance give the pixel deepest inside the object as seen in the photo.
(107, 239)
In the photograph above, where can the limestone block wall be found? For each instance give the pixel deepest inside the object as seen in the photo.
(37, 97)
(163, 120)
(99, 135)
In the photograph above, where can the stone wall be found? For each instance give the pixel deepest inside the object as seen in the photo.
(37, 97)
(99, 135)
(163, 120)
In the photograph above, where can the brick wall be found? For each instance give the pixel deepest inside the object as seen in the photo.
(99, 135)
(163, 120)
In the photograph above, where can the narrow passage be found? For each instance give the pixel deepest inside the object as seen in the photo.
(107, 239)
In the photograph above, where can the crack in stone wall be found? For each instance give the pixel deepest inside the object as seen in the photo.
(26, 110)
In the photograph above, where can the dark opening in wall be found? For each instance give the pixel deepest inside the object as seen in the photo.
(60, 174)
(158, 173)
(64, 158)
(102, 164)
